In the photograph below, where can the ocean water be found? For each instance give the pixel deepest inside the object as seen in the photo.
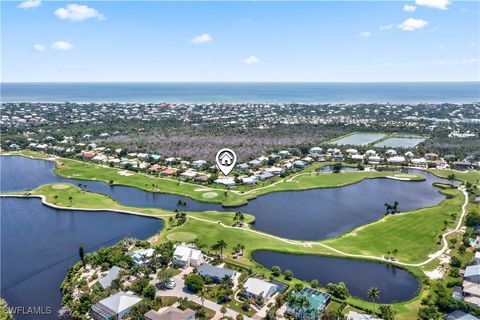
(434, 92)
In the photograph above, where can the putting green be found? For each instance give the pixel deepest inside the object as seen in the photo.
(182, 236)
(209, 195)
(60, 186)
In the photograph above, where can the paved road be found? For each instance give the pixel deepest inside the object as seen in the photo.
(180, 291)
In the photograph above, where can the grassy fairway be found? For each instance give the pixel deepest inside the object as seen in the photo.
(414, 235)
(471, 176)
(205, 227)
(307, 179)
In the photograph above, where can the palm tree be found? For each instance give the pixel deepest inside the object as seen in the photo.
(220, 245)
(223, 310)
(451, 178)
(241, 247)
(388, 254)
(81, 253)
(56, 198)
(373, 293)
(70, 198)
(201, 294)
(394, 252)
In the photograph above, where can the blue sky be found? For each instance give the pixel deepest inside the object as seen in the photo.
(418, 40)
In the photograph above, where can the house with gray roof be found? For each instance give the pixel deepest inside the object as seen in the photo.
(472, 273)
(116, 306)
(170, 313)
(112, 274)
(459, 315)
(217, 273)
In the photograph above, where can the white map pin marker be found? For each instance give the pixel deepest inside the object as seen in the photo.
(226, 160)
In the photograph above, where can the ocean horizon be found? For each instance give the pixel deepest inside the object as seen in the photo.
(243, 92)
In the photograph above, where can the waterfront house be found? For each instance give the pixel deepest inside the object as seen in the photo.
(317, 302)
(357, 157)
(254, 287)
(201, 179)
(185, 256)
(374, 159)
(370, 152)
(459, 315)
(419, 162)
(170, 313)
(396, 160)
(274, 170)
(228, 182)
(352, 315)
(462, 165)
(188, 174)
(14, 147)
(169, 171)
(265, 175)
(142, 256)
(249, 181)
(112, 274)
(217, 273)
(338, 157)
(116, 306)
(299, 164)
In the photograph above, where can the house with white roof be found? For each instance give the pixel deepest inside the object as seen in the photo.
(249, 181)
(315, 150)
(185, 256)
(396, 160)
(254, 287)
(391, 153)
(228, 182)
(419, 162)
(357, 157)
(142, 256)
(116, 306)
(374, 159)
(370, 153)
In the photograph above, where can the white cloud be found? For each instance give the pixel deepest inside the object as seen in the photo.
(29, 4)
(62, 45)
(202, 38)
(38, 48)
(471, 60)
(412, 24)
(251, 60)
(409, 8)
(386, 27)
(436, 4)
(365, 34)
(77, 12)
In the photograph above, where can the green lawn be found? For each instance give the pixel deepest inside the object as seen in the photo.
(306, 179)
(422, 226)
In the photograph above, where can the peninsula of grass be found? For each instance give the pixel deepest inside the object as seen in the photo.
(303, 180)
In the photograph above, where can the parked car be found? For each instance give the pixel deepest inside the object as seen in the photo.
(170, 284)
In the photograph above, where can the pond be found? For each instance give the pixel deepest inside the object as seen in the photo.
(305, 215)
(359, 139)
(395, 284)
(399, 142)
(39, 244)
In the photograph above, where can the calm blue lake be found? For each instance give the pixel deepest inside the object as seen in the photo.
(306, 215)
(39, 244)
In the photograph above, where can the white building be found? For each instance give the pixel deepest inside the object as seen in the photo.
(254, 287)
(117, 306)
(142, 256)
(229, 182)
(185, 256)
